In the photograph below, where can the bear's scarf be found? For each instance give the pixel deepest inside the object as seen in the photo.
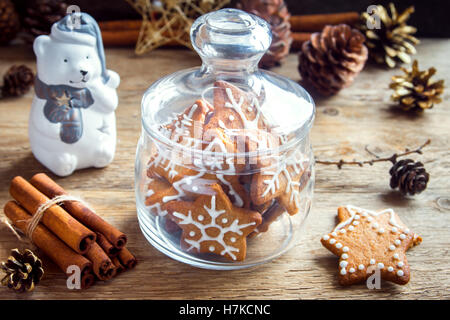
(63, 106)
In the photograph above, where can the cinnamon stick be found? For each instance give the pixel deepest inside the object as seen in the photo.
(120, 25)
(47, 242)
(80, 211)
(110, 250)
(119, 266)
(316, 22)
(120, 38)
(298, 38)
(127, 259)
(102, 265)
(87, 280)
(55, 218)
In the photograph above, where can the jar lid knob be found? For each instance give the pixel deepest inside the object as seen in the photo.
(230, 34)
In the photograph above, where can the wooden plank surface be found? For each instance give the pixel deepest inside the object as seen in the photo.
(360, 115)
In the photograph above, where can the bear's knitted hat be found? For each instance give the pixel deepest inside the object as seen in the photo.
(82, 29)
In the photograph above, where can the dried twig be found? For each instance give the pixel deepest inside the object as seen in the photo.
(376, 158)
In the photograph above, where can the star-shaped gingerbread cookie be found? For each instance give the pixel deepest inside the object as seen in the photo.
(366, 240)
(211, 224)
(283, 181)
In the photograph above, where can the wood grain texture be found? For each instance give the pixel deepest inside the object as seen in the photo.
(358, 116)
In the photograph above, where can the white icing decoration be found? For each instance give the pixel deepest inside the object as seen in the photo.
(390, 269)
(234, 227)
(351, 270)
(149, 193)
(342, 231)
(343, 272)
(343, 264)
(334, 234)
(402, 236)
(344, 256)
(392, 247)
(338, 245)
(394, 229)
(192, 233)
(400, 264)
(381, 231)
(350, 228)
(397, 242)
(372, 261)
(345, 249)
(395, 256)
(158, 209)
(400, 273)
(361, 267)
(326, 237)
(332, 241)
(380, 265)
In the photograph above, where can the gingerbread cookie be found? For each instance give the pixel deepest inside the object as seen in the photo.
(281, 182)
(234, 109)
(366, 240)
(211, 224)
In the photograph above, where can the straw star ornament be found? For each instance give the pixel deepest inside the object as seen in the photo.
(169, 21)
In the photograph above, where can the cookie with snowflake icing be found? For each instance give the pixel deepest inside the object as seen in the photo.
(234, 109)
(367, 242)
(187, 127)
(283, 182)
(211, 224)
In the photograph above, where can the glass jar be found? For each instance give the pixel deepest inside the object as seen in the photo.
(224, 167)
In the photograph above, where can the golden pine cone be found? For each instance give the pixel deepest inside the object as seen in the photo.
(9, 21)
(23, 270)
(277, 15)
(393, 41)
(332, 59)
(415, 90)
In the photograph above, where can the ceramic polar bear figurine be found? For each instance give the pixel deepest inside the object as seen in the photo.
(72, 122)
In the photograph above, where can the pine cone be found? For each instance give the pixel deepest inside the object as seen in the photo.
(415, 90)
(331, 60)
(409, 176)
(9, 21)
(23, 271)
(40, 15)
(393, 41)
(277, 15)
(17, 81)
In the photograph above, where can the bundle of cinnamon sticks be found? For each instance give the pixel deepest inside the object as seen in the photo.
(70, 234)
(126, 32)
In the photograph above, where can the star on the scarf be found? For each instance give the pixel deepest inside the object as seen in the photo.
(63, 100)
(366, 240)
(169, 21)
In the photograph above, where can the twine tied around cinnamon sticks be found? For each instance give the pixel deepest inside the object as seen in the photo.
(33, 222)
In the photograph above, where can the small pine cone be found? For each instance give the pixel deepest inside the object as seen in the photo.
(9, 21)
(415, 90)
(23, 271)
(332, 59)
(17, 81)
(409, 176)
(277, 15)
(391, 41)
(40, 15)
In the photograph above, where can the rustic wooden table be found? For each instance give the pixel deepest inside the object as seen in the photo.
(358, 116)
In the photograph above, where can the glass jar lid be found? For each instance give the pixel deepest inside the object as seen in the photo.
(253, 113)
